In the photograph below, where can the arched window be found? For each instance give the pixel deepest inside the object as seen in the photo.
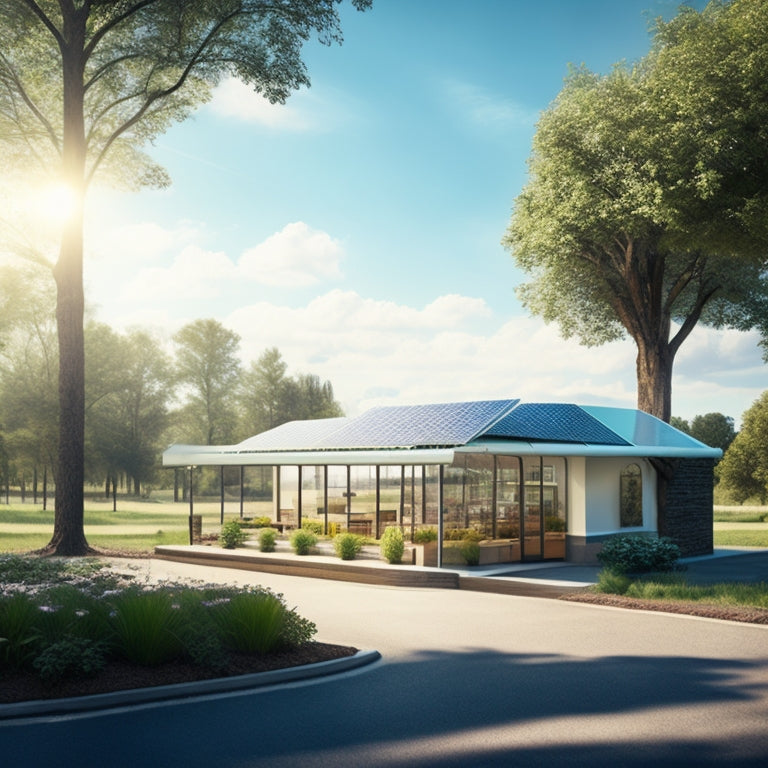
(631, 497)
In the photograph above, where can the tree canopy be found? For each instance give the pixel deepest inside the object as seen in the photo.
(85, 85)
(744, 468)
(646, 210)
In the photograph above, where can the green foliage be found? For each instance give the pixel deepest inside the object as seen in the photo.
(251, 622)
(18, 629)
(424, 535)
(267, 539)
(71, 657)
(470, 551)
(743, 471)
(232, 535)
(262, 522)
(647, 181)
(674, 587)
(313, 526)
(392, 545)
(302, 541)
(463, 534)
(347, 545)
(554, 523)
(63, 630)
(147, 626)
(612, 582)
(638, 554)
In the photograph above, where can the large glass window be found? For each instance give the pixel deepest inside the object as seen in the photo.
(554, 502)
(289, 495)
(390, 496)
(362, 489)
(631, 497)
(337, 498)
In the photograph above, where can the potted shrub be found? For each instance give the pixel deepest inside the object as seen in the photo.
(302, 541)
(426, 546)
(392, 545)
(347, 545)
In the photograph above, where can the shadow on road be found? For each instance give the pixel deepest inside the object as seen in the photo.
(475, 707)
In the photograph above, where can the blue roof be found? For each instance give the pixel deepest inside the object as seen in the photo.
(501, 426)
(414, 426)
(554, 423)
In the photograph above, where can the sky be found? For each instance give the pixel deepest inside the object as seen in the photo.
(358, 227)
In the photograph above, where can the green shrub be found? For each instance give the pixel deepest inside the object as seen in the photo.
(302, 541)
(612, 582)
(147, 626)
(267, 539)
(347, 545)
(554, 523)
(470, 551)
(392, 545)
(71, 657)
(232, 535)
(251, 622)
(19, 629)
(424, 535)
(313, 526)
(638, 554)
(463, 534)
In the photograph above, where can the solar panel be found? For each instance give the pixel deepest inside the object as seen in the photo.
(414, 426)
(555, 423)
(292, 436)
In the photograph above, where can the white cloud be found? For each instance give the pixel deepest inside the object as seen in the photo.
(233, 98)
(487, 109)
(296, 256)
(194, 274)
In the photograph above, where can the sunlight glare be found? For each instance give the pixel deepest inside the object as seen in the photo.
(57, 203)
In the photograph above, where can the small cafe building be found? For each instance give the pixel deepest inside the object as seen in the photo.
(530, 481)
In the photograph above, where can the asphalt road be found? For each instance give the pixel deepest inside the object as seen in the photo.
(467, 679)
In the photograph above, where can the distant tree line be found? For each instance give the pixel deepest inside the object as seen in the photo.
(141, 396)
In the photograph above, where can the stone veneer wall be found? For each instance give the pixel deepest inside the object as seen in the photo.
(689, 506)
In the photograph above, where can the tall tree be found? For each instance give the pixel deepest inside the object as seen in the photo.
(84, 85)
(208, 368)
(268, 397)
(646, 211)
(744, 468)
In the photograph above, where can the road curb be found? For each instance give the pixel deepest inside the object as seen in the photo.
(102, 701)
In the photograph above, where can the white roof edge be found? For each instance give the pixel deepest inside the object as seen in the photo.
(523, 448)
(176, 456)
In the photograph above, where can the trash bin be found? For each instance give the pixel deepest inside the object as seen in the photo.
(197, 529)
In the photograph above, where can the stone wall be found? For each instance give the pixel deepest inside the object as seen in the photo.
(689, 506)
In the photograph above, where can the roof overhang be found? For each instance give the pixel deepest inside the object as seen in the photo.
(196, 456)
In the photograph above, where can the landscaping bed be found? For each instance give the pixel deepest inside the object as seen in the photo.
(25, 685)
(747, 614)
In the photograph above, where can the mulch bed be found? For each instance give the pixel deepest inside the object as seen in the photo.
(745, 614)
(120, 676)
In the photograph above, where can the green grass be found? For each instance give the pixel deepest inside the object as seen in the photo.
(737, 538)
(674, 588)
(29, 542)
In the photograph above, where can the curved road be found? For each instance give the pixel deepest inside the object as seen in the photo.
(467, 679)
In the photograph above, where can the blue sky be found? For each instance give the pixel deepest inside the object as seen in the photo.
(358, 227)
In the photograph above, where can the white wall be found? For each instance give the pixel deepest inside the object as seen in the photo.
(601, 499)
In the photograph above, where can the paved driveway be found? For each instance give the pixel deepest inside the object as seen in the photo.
(467, 679)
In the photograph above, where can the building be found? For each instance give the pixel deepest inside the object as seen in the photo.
(531, 481)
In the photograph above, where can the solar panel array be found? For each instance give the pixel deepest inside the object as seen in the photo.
(419, 426)
(554, 423)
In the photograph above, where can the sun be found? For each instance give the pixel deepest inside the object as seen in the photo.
(57, 203)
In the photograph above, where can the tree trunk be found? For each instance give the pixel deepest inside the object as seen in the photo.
(654, 379)
(68, 533)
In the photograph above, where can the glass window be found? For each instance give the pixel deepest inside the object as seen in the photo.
(508, 497)
(631, 497)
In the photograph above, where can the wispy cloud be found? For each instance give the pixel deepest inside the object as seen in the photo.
(486, 109)
(233, 98)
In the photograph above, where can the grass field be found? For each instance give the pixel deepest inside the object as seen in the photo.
(141, 525)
